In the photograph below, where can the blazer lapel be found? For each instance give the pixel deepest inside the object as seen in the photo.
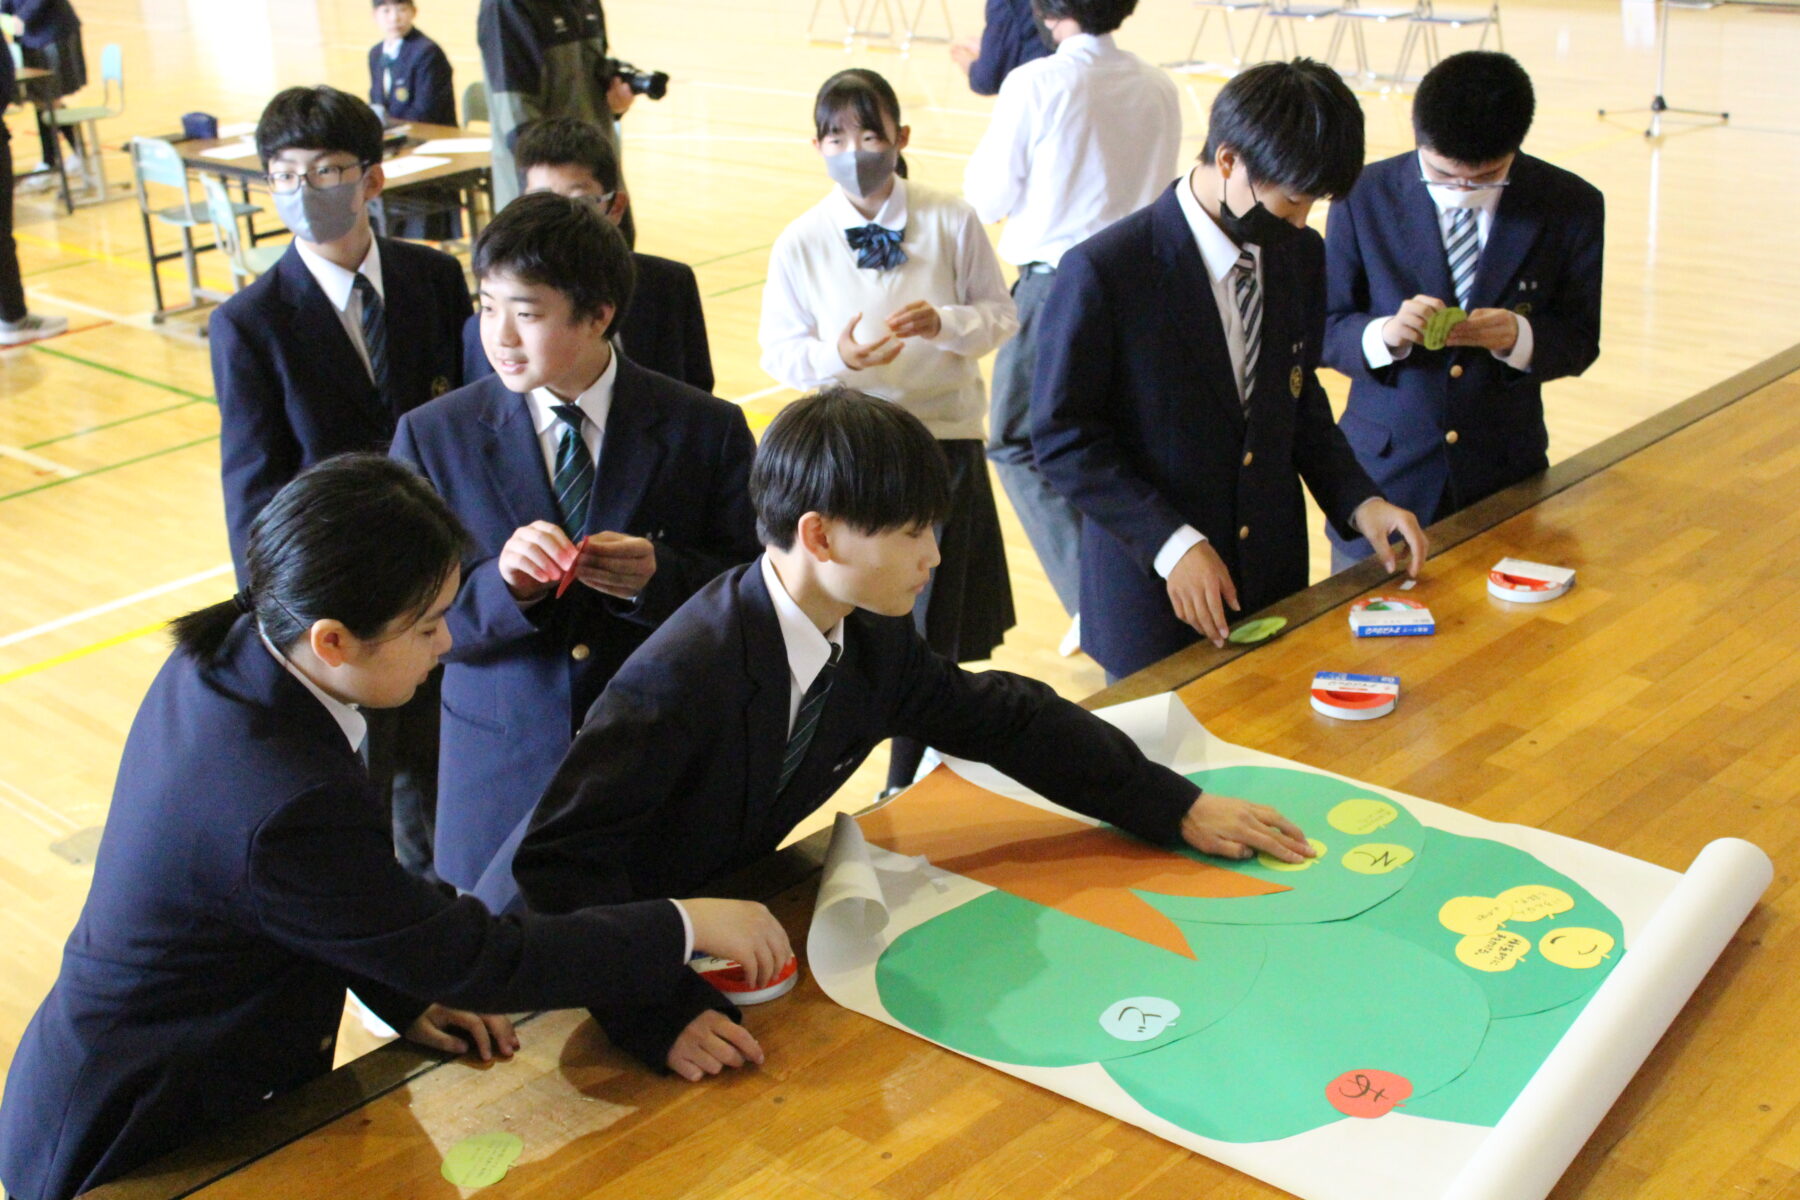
(406, 342)
(1421, 233)
(1517, 222)
(767, 694)
(514, 459)
(630, 452)
(316, 324)
(1188, 300)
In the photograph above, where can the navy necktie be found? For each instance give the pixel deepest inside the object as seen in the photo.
(374, 333)
(806, 722)
(574, 482)
(877, 247)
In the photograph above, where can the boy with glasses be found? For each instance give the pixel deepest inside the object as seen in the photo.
(1465, 221)
(322, 355)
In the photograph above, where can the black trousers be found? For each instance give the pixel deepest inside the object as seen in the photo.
(12, 288)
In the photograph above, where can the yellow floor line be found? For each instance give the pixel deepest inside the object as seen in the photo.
(105, 644)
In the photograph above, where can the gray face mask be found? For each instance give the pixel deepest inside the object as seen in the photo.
(318, 214)
(861, 172)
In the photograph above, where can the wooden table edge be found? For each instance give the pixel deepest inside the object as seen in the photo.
(379, 1072)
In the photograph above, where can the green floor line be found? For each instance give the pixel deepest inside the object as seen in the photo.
(40, 487)
(155, 412)
(740, 287)
(707, 262)
(123, 374)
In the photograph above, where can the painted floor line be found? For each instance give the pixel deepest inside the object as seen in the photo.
(37, 462)
(28, 803)
(130, 635)
(161, 589)
(740, 400)
(130, 462)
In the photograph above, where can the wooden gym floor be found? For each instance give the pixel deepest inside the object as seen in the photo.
(109, 501)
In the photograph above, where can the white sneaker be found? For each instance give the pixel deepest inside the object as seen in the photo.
(30, 328)
(1071, 642)
(73, 163)
(40, 178)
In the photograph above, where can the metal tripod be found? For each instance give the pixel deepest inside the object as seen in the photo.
(1660, 106)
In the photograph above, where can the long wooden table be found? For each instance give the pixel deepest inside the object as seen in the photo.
(1654, 708)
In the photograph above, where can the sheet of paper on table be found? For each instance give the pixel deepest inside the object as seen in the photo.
(412, 164)
(468, 145)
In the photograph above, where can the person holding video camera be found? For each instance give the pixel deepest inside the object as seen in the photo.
(548, 58)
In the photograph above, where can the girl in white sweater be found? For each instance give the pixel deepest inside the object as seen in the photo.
(893, 289)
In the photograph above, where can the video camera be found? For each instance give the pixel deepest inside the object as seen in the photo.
(654, 84)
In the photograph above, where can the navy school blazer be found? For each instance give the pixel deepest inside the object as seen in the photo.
(1135, 418)
(664, 327)
(1542, 260)
(671, 783)
(1010, 38)
(292, 389)
(245, 879)
(424, 84)
(674, 467)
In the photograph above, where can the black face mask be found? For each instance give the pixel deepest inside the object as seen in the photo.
(1258, 227)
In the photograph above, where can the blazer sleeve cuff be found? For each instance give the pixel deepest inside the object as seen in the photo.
(647, 1034)
(1179, 543)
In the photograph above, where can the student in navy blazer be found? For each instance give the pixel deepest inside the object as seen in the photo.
(1440, 429)
(245, 878)
(1187, 467)
(678, 775)
(665, 327)
(1012, 35)
(291, 366)
(670, 483)
(410, 77)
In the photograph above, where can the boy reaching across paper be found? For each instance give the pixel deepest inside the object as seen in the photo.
(749, 707)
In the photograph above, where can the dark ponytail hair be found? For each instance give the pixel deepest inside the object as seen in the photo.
(359, 539)
(864, 95)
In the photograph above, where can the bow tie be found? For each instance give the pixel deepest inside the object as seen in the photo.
(877, 247)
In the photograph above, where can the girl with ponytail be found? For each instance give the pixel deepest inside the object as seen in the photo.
(246, 878)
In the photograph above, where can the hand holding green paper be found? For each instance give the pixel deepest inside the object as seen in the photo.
(1438, 328)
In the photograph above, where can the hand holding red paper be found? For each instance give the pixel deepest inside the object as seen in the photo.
(615, 563)
(743, 932)
(1233, 828)
(535, 559)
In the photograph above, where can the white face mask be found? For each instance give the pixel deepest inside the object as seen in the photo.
(1456, 197)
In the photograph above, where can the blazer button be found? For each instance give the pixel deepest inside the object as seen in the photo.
(1249, 457)
(1243, 533)
(580, 652)
(1451, 437)
(1456, 371)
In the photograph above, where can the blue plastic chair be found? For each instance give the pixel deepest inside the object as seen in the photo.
(155, 162)
(86, 119)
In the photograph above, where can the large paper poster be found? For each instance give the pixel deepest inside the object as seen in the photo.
(1435, 1005)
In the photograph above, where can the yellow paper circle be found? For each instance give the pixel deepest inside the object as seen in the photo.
(1377, 858)
(478, 1161)
(1275, 864)
(1496, 951)
(1536, 901)
(1361, 816)
(1470, 915)
(1576, 946)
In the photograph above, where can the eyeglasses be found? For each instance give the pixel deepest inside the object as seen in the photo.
(326, 175)
(1464, 185)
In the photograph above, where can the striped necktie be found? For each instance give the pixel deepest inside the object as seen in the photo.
(806, 722)
(1463, 246)
(574, 481)
(374, 335)
(1249, 306)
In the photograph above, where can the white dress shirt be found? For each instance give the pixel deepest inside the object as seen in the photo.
(1220, 254)
(1375, 347)
(354, 725)
(339, 286)
(808, 650)
(815, 287)
(595, 404)
(1078, 140)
